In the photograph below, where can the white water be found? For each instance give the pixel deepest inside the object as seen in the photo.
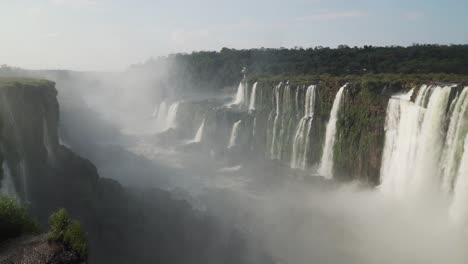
(199, 135)
(273, 147)
(240, 95)
(234, 134)
(253, 95)
(413, 143)
(459, 209)
(171, 121)
(326, 163)
(302, 136)
(7, 186)
(456, 133)
(162, 115)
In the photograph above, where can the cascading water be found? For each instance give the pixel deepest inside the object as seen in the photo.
(234, 134)
(326, 163)
(413, 142)
(274, 140)
(172, 116)
(253, 97)
(162, 115)
(459, 209)
(199, 135)
(240, 95)
(456, 133)
(7, 186)
(302, 136)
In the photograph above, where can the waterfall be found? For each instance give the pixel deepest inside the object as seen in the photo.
(326, 163)
(234, 134)
(459, 208)
(199, 135)
(7, 186)
(253, 97)
(456, 133)
(274, 139)
(171, 120)
(301, 141)
(240, 95)
(161, 116)
(47, 143)
(414, 138)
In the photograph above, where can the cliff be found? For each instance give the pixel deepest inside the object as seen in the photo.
(122, 225)
(286, 119)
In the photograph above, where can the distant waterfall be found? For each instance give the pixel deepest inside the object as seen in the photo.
(326, 163)
(414, 138)
(240, 95)
(253, 97)
(274, 154)
(234, 134)
(171, 116)
(7, 186)
(301, 141)
(161, 116)
(199, 135)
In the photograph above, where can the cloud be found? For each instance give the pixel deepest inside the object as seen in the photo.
(331, 15)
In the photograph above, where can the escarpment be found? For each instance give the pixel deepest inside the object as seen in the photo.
(288, 121)
(122, 225)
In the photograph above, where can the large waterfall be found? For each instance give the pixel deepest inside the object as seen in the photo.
(253, 96)
(425, 153)
(302, 136)
(326, 163)
(234, 134)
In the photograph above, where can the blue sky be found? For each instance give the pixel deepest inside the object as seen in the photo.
(112, 34)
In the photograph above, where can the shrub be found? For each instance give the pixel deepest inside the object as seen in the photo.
(14, 219)
(68, 232)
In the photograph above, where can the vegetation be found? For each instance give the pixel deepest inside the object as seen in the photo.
(68, 232)
(214, 70)
(14, 219)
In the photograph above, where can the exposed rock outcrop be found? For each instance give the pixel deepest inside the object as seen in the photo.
(36, 250)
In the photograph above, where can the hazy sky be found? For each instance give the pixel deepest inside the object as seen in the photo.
(111, 34)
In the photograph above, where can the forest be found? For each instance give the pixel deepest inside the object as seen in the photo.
(211, 70)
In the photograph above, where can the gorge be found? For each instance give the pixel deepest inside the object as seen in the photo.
(282, 168)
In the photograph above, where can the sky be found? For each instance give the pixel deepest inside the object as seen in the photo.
(110, 35)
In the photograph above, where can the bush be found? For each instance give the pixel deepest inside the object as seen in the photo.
(69, 232)
(14, 219)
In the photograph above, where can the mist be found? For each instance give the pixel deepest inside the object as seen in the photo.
(291, 216)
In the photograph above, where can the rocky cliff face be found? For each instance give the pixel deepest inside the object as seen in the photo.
(288, 121)
(31, 155)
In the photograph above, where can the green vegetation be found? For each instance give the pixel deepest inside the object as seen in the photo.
(208, 70)
(30, 82)
(14, 219)
(68, 232)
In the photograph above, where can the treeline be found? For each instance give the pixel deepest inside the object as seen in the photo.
(214, 70)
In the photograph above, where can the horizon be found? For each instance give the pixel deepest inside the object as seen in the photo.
(104, 35)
